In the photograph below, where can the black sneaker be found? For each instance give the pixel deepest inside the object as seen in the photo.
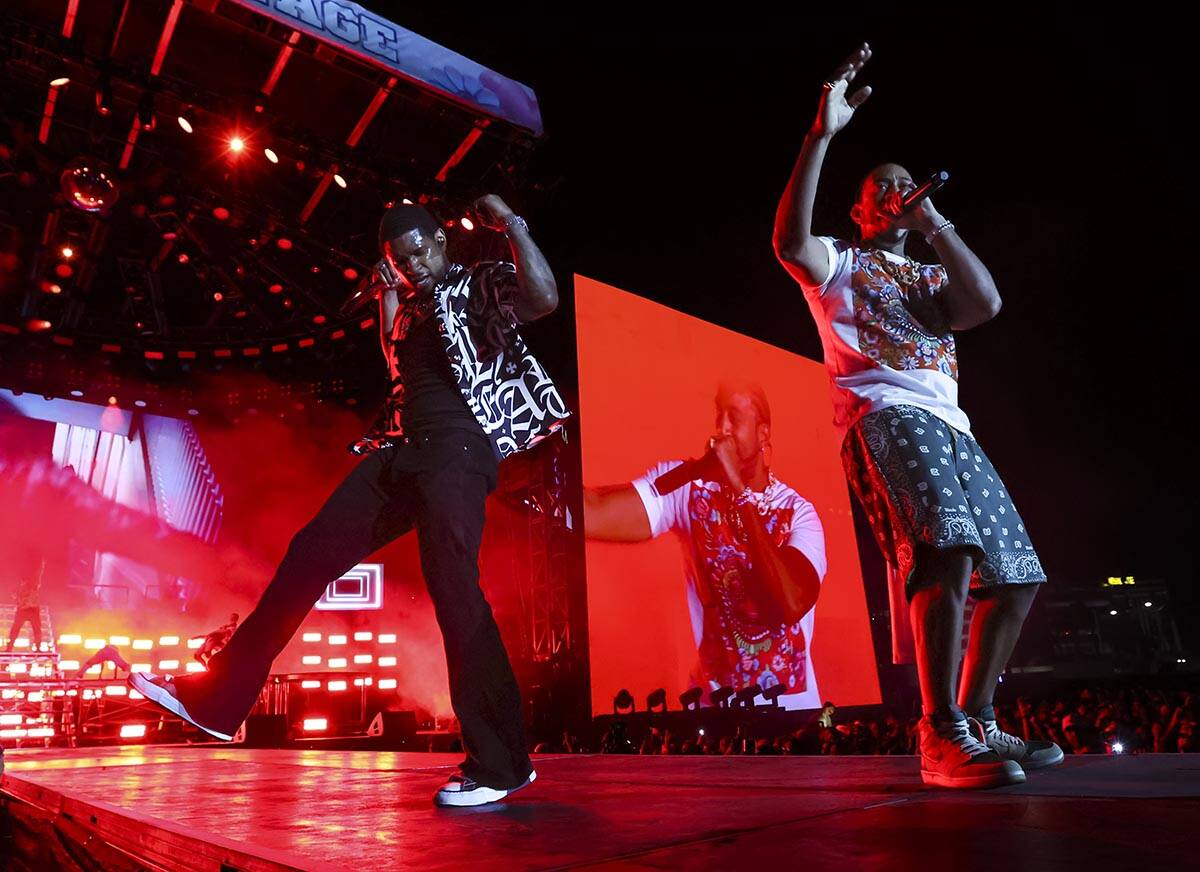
(952, 756)
(1034, 754)
(161, 690)
(463, 791)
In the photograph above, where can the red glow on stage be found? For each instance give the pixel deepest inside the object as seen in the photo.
(64, 271)
(315, 725)
(318, 319)
(51, 288)
(236, 144)
(284, 243)
(37, 325)
(350, 273)
(221, 213)
(183, 258)
(133, 731)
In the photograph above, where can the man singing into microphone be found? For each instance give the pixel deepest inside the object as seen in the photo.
(465, 391)
(940, 512)
(754, 551)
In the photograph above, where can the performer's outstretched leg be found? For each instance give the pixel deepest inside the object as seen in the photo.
(364, 513)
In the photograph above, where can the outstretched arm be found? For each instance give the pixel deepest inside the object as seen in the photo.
(801, 253)
(615, 513)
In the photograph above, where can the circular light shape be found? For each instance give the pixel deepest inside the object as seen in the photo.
(63, 271)
(240, 313)
(1112, 611)
(276, 289)
(236, 144)
(184, 123)
(1148, 603)
(284, 243)
(318, 319)
(218, 296)
(221, 213)
(315, 269)
(112, 401)
(183, 257)
(68, 252)
(467, 223)
(141, 404)
(407, 201)
(1118, 748)
(60, 81)
(37, 325)
(193, 411)
(341, 182)
(51, 287)
(350, 273)
(271, 155)
(77, 393)
(170, 234)
(89, 185)
(287, 304)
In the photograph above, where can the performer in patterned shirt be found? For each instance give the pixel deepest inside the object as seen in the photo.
(939, 510)
(753, 548)
(465, 391)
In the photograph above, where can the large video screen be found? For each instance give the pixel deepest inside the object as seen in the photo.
(691, 585)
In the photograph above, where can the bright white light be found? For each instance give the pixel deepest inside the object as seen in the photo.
(309, 684)
(70, 639)
(143, 644)
(185, 124)
(314, 725)
(271, 155)
(133, 731)
(341, 182)
(118, 640)
(311, 637)
(1112, 611)
(337, 662)
(467, 223)
(387, 661)
(168, 664)
(386, 639)
(387, 684)
(337, 640)
(337, 685)
(311, 659)
(1118, 748)
(362, 636)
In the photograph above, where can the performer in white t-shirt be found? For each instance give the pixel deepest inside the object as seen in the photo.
(940, 512)
(753, 548)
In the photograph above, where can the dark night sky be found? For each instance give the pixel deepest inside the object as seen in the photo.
(1065, 149)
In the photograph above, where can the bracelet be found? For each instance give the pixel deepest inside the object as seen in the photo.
(513, 221)
(941, 228)
(746, 496)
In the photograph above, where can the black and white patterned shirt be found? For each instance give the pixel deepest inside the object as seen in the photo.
(507, 390)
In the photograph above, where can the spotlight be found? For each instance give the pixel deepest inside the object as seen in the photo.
(690, 699)
(276, 289)
(284, 243)
(185, 123)
(341, 182)
(145, 112)
(772, 694)
(63, 271)
(104, 98)
(77, 393)
(37, 325)
(218, 296)
(236, 144)
(1118, 748)
(623, 702)
(1112, 611)
(350, 273)
(467, 223)
(271, 155)
(112, 401)
(1147, 603)
(720, 696)
(183, 257)
(68, 252)
(60, 79)
(89, 184)
(220, 213)
(657, 699)
(745, 696)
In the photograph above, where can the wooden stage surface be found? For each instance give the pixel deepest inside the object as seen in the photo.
(224, 807)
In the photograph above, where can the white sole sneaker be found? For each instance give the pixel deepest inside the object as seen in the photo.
(480, 795)
(1010, 773)
(162, 697)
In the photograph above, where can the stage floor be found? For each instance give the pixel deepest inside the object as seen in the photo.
(222, 807)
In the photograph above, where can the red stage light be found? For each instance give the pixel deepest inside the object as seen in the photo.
(318, 319)
(284, 243)
(350, 273)
(236, 144)
(467, 223)
(276, 289)
(51, 288)
(37, 325)
(315, 725)
(221, 213)
(183, 258)
(133, 731)
(64, 271)
(218, 296)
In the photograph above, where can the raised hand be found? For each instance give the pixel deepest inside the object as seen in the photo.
(837, 104)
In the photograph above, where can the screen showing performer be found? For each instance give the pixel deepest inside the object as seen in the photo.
(727, 451)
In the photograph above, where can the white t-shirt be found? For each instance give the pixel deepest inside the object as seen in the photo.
(876, 352)
(733, 647)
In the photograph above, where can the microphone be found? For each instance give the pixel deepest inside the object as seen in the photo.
(690, 470)
(915, 196)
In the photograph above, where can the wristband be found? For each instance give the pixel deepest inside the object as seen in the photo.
(941, 228)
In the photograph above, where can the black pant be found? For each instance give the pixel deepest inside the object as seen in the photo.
(33, 614)
(438, 483)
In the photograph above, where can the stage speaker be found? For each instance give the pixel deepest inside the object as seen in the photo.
(263, 731)
(394, 729)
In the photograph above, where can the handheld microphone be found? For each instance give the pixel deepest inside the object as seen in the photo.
(690, 470)
(915, 196)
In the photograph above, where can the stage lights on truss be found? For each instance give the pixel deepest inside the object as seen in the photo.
(359, 589)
